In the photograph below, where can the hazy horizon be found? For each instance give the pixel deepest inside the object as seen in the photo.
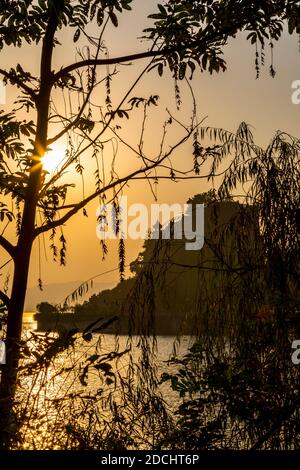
(226, 98)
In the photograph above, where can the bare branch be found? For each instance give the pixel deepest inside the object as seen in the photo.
(113, 184)
(7, 246)
(76, 121)
(166, 177)
(5, 264)
(97, 137)
(141, 55)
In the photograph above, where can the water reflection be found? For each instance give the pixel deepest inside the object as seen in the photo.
(28, 321)
(62, 386)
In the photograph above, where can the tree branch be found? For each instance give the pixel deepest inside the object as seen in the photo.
(200, 45)
(283, 415)
(113, 184)
(141, 55)
(90, 143)
(81, 111)
(7, 246)
(21, 84)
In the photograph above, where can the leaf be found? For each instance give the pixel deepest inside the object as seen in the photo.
(162, 9)
(83, 376)
(122, 113)
(100, 17)
(182, 70)
(113, 18)
(192, 66)
(87, 337)
(76, 35)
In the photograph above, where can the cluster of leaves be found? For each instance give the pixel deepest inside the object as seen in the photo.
(134, 102)
(244, 392)
(274, 174)
(197, 30)
(27, 19)
(16, 76)
(238, 400)
(11, 132)
(5, 213)
(13, 178)
(86, 11)
(101, 364)
(22, 20)
(54, 196)
(82, 397)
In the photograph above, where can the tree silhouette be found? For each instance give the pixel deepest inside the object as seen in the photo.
(184, 36)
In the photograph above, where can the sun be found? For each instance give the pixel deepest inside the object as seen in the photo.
(53, 158)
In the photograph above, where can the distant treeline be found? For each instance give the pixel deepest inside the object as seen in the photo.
(189, 286)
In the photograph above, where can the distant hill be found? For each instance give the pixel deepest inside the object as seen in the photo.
(56, 293)
(174, 289)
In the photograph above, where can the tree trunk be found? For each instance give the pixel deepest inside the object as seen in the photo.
(8, 424)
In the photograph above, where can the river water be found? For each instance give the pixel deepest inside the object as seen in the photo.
(52, 386)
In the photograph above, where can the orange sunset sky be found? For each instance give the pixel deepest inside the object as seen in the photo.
(226, 99)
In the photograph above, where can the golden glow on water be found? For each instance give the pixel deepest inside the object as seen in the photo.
(28, 320)
(54, 393)
(28, 316)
